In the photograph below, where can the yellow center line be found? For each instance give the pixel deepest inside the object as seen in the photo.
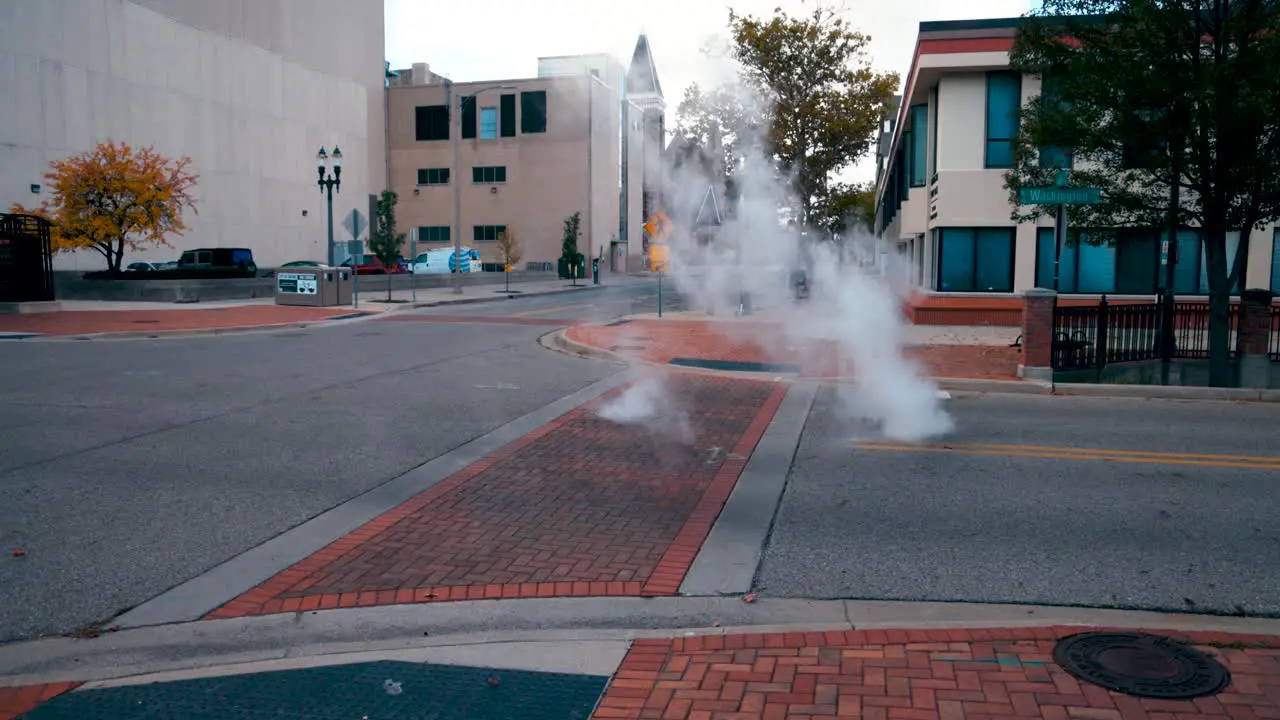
(1109, 451)
(546, 310)
(1069, 454)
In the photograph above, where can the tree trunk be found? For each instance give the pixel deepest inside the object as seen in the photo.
(1215, 247)
(507, 279)
(388, 286)
(116, 258)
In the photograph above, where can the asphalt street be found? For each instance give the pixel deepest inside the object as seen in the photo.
(129, 466)
(1021, 508)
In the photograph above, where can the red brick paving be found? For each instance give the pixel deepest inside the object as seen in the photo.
(902, 674)
(14, 701)
(92, 322)
(661, 341)
(580, 507)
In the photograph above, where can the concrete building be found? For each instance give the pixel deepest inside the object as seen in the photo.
(940, 189)
(531, 152)
(249, 89)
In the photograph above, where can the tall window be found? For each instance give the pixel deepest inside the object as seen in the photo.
(433, 176)
(1126, 261)
(468, 117)
(933, 158)
(489, 175)
(975, 259)
(489, 123)
(487, 233)
(533, 111)
(919, 144)
(507, 115)
(1275, 260)
(433, 233)
(431, 122)
(1053, 157)
(1004, 99)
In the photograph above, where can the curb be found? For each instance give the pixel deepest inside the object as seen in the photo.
(237, 645)
(1164, 392)
(498, 297)
(194, 332)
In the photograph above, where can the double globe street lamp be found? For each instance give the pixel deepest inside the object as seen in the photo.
(330, 182)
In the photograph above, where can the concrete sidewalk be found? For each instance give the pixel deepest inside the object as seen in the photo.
(84, 319)
(674, 657)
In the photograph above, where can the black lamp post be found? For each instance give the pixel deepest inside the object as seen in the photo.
(330, 182)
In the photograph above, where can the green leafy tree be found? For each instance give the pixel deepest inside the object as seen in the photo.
(1149, 94)
(384, 242)
(825, 102)
(570, 257)
(719, 114)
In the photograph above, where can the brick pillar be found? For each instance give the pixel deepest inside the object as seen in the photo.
(1037, 334)
(1255, 334)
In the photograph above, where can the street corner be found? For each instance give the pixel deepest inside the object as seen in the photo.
(952, 674)
(762, 346)
(614, 498)
(146, 323)
(16, 702)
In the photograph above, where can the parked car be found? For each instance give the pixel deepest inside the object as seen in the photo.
(220, 261)
(143, 267)
(440, 262)
(302, 263)
(371, 265)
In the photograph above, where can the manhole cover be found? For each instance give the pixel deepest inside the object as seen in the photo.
(617, 323)
(617, 348)
(1141, 665)
(145, 322)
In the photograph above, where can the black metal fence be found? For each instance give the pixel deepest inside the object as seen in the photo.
(1093, 336)
(26, 259)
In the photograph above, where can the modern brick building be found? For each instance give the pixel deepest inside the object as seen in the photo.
(941, 199)
(530, 153)
(250, 90)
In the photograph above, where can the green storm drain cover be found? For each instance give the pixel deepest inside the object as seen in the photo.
(376, 691)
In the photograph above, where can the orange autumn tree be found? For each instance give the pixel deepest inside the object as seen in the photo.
(116, 197)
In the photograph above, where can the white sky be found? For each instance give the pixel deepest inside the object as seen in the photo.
(501, 39)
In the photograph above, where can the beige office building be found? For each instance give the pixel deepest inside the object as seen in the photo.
(941, 195)
(249, 89)
(530, 152)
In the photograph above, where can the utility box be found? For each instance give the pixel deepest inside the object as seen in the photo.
(314, 287)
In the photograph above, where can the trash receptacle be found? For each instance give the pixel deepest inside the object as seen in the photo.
(595, 271)
(314, 287)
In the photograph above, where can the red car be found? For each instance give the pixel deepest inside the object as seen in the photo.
(370, 265)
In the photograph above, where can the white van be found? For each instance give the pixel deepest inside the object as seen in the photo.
(440, 261)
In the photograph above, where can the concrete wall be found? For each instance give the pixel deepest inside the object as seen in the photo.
(249, 89)
(547, 173)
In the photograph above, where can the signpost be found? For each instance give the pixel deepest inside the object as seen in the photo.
(355, 249)
(413, 257)
(1060, 195)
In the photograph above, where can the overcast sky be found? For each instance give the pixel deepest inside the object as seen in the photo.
(501, 39)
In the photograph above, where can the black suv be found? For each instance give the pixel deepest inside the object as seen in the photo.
(233, 262)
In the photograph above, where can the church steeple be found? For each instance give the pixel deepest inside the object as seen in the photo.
(642, 76)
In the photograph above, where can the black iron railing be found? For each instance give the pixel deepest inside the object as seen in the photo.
(1273, 345)
(1093, 336)
(26, 259)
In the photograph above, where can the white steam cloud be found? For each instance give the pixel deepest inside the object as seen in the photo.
(854, 304)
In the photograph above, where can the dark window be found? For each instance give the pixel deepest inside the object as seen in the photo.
(1275, 260)
(919, 144)
(533, 111)
(431, 122)
(1144, 147)
(1053, 157)
(975, 259)
(489, 174)
(1004, 99)
(487, 233)
(433, 176)
(488, 123)
(468, 117)
(433, 233)
(1126, 261)
(507, 115)
(937, 110)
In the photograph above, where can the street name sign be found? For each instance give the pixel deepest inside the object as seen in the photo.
(1059, 196)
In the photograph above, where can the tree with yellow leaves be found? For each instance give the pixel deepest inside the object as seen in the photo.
(116, 197)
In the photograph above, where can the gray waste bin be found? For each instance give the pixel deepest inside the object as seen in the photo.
(314, 287)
